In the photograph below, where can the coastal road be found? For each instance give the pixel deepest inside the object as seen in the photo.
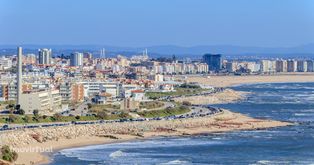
(196, 111)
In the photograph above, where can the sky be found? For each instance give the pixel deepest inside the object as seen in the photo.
(135, 23)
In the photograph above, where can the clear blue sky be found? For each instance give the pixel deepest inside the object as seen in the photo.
(134, 23)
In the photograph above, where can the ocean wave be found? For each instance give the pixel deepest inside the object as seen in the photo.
(266, 162)
(175, 162)
(302, 114)
(117, 154)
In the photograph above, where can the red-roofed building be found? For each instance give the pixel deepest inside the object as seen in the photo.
(138, 95)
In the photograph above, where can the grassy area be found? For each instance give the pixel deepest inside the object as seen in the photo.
(179, 92)
(4, 104)
(21, 119)
(151, 105)
(7, 102)
(165, 112)
(102, 107)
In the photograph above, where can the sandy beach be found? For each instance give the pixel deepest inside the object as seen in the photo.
(226, 96)
(56, 138)
(226, 81)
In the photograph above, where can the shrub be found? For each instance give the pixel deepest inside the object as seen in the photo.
(27, 119)
(57, 117)
(102, 115)
(36, 112)
(77, 117)
(21, 112)
(187, 103)
(12, 118)
(8, 154)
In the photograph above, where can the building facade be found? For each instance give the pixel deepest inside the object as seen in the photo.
(44, 57)
(214, 61)
(76, 59)
(44, 101)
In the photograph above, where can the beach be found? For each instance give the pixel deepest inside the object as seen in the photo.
(227, 81)
(57, 138)
(225, 96)
(228, 95)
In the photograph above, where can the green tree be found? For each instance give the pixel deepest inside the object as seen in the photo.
(17, 107)
(12, 118)
(27, 119)
(57, 117)
(21, 112)
(36, 112)
(36, 115)
(77, 117)
(8, 154)
(89, 105)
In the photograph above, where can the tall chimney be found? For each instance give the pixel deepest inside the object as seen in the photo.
(19, 75)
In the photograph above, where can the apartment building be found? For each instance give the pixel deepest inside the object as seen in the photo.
(44, 101)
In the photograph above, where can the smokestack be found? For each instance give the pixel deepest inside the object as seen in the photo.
(19, 75)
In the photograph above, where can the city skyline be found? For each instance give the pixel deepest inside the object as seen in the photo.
(184, 23)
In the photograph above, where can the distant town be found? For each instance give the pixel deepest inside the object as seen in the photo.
(48, 85)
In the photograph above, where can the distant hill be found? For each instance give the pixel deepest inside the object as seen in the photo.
(167, 50)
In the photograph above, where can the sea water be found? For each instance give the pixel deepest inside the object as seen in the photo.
(284, 145)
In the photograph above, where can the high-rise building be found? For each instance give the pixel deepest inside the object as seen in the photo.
(301, 66)
(201, 68)
(268, 66)
(76, 59)
(213, 61)
(291, 66)
(310, 65)
(44, 56)
(231, 66)
(281, 66)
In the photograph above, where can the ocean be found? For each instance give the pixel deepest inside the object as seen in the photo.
(284, 145)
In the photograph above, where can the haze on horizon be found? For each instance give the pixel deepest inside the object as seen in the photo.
(268, 23)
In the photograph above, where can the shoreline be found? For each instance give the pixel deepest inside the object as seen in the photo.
(229, 126)
(225, 121)
(231, 81)
(228, 95)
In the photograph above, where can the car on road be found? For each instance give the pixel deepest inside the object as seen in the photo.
(5, 127)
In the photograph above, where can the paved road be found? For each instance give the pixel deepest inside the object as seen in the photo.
(196, 111)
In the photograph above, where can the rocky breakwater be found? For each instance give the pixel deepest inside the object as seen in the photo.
(225, 121)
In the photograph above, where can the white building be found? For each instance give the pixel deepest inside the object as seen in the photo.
(93, 88)
(46, 102)
(138, 95)
(5, 63)
(159, 77)
(268, 66)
